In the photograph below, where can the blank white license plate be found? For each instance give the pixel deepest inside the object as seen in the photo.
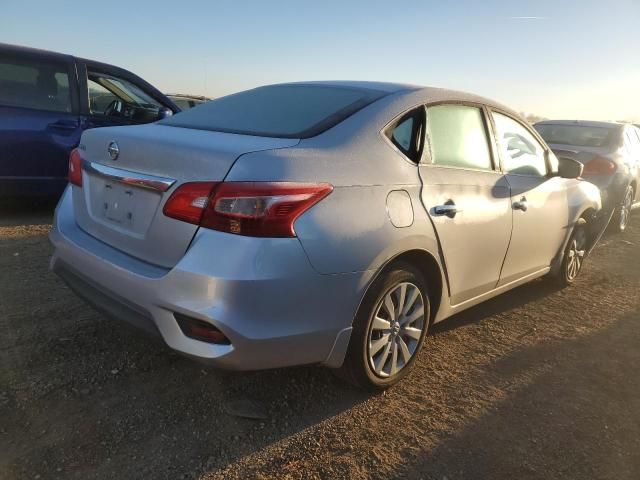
(118, 202)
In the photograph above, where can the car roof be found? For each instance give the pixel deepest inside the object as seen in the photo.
(426, 94)
(582, 123)
(48, 54)
(388, 87)
(29, 51)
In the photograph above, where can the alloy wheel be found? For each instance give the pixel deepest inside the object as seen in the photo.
(396, 329)
(577, 249)
(625, 209)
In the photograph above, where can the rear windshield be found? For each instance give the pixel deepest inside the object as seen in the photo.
(285, 111)
(576, 135)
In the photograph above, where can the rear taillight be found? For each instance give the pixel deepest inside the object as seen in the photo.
(599, 166)
(256, 209)
(75, 168)
(188, 202)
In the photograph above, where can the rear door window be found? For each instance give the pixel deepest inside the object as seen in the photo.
(458, 137)
(522, 154)
(34, 84)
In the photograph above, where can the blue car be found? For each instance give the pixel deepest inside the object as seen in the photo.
(47, 100)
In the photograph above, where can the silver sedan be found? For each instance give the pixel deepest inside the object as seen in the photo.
(317, 223)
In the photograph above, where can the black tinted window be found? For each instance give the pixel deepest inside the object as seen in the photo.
(288, 111)
(576, 135)
(407, 134)
(33, 84)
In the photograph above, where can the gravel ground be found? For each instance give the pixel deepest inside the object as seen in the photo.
(537, 383)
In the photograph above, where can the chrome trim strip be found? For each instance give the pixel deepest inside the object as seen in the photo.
(150, 182)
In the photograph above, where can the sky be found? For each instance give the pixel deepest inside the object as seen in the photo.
(552, 58)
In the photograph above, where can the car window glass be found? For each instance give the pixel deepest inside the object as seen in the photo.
(576, 135)
(99, 98)
(34, 84)
(407, 134)
(632, 142)
(521, 152)
(458, 138)
(115, 97)
(283, 111)
(403, 133)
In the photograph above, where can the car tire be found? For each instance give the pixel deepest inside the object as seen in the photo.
(388, 330)
(574, 256)
(623, 212)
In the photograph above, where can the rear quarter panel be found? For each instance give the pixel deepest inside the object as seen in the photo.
(351, 229)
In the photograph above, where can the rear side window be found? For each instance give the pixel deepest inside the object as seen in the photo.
(285, 111)
(407, 134)
(522, 154)
(34, 84)
(458, 137)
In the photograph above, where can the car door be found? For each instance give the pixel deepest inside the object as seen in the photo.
(39, 122)
(112, 96)
(539, 199)
(467, 198)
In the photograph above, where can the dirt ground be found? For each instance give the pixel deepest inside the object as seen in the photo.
(537, 383)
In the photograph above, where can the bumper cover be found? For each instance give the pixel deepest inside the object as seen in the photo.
(261, 293)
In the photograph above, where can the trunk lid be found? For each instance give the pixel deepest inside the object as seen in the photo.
(121, 199)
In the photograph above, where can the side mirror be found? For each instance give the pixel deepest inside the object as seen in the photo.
(164, 112)
(569, 168)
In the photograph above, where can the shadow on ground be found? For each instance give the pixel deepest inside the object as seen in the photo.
(571, 411)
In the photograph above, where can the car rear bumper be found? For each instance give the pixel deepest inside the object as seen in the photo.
(263, 294)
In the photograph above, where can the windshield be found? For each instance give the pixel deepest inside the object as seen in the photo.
(285, 111)
(576, 135)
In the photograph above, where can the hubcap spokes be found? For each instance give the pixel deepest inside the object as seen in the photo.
(576, 255)
(396, 329)
(625, 209)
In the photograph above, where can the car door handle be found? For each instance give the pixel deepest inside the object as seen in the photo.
(521, 204)
(448, 209)
(63, 125)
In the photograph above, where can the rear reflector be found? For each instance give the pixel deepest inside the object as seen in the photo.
(599, 166)
(75, 168)
(200, 330)
(256, 209)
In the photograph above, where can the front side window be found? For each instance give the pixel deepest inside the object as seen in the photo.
(34, 84)
(522, 154)
(115, 97)
(458, 137)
